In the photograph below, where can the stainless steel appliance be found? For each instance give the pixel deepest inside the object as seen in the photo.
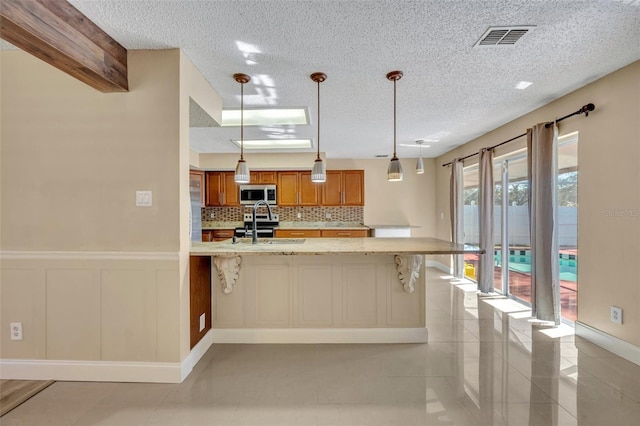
(249, 194)
(265, 227)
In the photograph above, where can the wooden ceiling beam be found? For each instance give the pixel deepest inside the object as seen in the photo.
(57, 33)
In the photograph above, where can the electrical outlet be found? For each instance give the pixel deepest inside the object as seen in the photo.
(202, 321)
(328, 215)
(616, 315)
(213, 215)
(16, 330)
(299, 215)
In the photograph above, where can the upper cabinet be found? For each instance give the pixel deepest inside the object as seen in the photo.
(196, 182)
(296, 189)
(221, 189)
(343, 188)
(264, 177)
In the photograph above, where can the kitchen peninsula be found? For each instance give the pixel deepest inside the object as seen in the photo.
(317, 290)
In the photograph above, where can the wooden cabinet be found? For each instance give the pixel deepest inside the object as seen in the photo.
(339, 233)
(199, 297)
(210, 235)
(266, 177)
(221, 189)
(317, 233)
(343, 188)
(223, 234)
(296, 189)
(297, 233)
(196, 182)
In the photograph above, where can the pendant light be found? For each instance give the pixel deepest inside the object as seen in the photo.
(420, 163)
(319, 172)
(242, 174)
(394, 172)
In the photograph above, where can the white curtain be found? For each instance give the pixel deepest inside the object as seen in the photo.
(542, 148)
(485, 213)
(457, 214)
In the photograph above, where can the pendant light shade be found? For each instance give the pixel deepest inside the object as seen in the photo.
(420, 163)
(319, 171)
(242, 174)
(394, 172)
(420, 166)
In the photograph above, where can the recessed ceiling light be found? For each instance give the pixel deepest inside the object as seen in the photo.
(265, 116)
(275, 144)
(523, 85)
(381, 155)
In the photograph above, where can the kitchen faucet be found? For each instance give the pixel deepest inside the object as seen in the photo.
(254, 231)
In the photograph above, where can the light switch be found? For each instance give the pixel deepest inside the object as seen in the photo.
(144, 199)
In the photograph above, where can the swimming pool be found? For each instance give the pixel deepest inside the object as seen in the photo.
(520, 261)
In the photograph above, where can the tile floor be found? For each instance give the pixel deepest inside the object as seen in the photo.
(484, 365)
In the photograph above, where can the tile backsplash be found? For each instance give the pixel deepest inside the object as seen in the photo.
(289, 214)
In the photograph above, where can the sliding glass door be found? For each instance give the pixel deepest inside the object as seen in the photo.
(512, 249)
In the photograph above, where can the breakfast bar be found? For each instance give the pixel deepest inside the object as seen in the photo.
(322, 290)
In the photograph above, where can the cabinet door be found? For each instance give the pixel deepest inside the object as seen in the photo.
(231, 190)
(308, 190)
(287, 188)
(196, 180)
(207, 236)
(297, 233)
(267, 177)
(332, 189)
(353, 188)
(214, 188)
(222, 234)
(338, 233)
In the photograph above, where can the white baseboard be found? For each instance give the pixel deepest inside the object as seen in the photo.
(440, 266)
(90, 371)
(105, 371)
(320, 335)
(196, 354)
(618, 346)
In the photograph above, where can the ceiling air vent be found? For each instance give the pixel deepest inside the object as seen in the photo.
(503, 36)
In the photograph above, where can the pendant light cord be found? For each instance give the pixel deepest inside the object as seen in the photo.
(241, 121)
(318, 157)
(394, 119)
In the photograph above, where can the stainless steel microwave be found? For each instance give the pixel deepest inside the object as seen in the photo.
(249, 194)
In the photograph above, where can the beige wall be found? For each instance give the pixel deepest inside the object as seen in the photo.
(73, 158)
(609, 178)
(96, 277)
(409, 202)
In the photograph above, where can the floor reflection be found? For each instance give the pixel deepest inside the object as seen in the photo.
(511, 371)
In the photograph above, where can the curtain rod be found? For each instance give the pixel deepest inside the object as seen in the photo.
(584, 110)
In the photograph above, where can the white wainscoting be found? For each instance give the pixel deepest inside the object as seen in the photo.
(91, 316)
(318, 299)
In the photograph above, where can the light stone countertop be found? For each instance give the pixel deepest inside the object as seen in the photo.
(208, 225)
(392, 226)
(330, 246)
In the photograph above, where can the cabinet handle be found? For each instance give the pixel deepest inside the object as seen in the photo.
(344, 233)
(297, 233)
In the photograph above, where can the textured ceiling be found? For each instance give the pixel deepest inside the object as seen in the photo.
(450, 91)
